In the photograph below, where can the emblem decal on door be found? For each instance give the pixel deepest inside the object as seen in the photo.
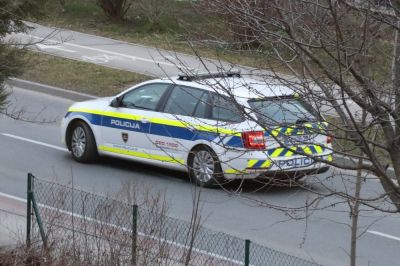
(124, 137)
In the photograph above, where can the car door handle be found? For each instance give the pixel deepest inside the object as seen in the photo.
(144, 120)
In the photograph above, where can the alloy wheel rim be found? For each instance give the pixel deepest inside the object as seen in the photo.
(78, 143)
(203, 166)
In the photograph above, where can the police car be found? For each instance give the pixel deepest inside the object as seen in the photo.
(217, 127)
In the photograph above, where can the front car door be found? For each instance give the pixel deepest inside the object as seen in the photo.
(125, 128)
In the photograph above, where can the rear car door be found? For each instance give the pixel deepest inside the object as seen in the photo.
(125, 128)
(173, 131)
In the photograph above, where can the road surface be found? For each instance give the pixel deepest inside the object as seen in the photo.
(324, 237)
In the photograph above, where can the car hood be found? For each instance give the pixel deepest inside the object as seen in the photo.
(96, 104)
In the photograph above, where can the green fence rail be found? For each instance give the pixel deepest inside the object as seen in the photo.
(97, 230)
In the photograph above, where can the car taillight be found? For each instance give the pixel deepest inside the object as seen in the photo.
(253, 140)
(329, 139)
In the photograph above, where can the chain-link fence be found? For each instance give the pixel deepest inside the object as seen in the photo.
(96, 230)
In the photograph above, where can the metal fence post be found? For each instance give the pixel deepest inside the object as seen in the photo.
(247, 253)
(28, 210)
(134, 234)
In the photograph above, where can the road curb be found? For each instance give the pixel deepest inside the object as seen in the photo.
(345, 161)
(52, 90)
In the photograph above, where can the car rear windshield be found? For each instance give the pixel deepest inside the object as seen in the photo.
(282, 111)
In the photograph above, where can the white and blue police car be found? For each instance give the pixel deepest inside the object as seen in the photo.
(216, 126)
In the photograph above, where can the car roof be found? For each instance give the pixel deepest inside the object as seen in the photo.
(240, 87)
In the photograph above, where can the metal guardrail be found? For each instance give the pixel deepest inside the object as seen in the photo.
(98, 229)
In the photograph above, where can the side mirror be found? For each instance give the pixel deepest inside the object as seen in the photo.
(116, 102)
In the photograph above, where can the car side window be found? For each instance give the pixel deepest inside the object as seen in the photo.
(224, 109)
(187, 101)
(145, 97)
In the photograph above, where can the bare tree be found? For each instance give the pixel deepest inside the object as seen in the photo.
(115, 10)
(12, 14)
(339, 55)
(153, 10)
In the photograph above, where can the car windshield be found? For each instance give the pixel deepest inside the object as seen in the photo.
(282, 111)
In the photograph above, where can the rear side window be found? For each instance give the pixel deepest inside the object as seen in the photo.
(225, 109)
(187, 101)
(277, 111)
(145, 97)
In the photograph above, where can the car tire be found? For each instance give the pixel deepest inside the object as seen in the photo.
(82, 143)
(204, 167)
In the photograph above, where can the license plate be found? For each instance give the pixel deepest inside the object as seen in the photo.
(295, 163)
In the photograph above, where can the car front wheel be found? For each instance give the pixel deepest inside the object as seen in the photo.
(83, 144)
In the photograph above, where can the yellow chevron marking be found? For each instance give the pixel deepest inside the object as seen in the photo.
(251, 163)
(276, 152)
(288, 153)
(318, 148)
(307, 150)
(266, 164)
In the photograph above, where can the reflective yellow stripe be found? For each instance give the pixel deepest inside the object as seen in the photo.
(318, 148)
(161, 121)
(289, 131)
(251, 163)
(266, 164)
(330, 158)
(232, 171)
(276, 153)
(162, 158)
(288, 153)
(307, 150)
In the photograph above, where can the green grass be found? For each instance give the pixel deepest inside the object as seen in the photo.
(77, 76)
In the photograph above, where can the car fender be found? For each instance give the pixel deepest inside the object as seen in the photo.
(95, 129)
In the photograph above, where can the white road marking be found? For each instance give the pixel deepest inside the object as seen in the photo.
(53, 47)
(110, 52)
(35, 142)
(100, 58)
(12, 197)
(179, 245)
(383, 235)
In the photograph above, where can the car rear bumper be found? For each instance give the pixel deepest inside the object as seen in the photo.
(279, 168)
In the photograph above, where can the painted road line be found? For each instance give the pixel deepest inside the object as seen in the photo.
(110, 52)
(35, 142)
(383, 235)
(12, 197)
(54, 47)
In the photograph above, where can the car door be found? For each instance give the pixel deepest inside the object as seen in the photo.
(173, 132)
(125, 128)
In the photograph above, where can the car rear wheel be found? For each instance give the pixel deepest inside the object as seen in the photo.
(204, 167)
(82, 143)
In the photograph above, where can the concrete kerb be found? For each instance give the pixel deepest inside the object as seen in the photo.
(77, 96)
(47, 89)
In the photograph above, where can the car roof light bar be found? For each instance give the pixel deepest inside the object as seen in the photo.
(209, 75)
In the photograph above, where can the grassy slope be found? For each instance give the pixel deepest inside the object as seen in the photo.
(78, 76)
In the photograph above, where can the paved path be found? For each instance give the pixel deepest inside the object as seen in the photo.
(111, 53)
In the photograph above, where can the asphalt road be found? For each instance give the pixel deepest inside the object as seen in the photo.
(324, 237)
